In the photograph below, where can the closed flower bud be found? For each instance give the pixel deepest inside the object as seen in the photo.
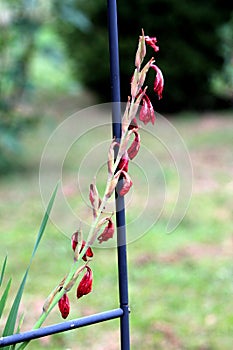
(85, 285)
(141, 51)
(94, 198)
(108, 232)
(64, 306)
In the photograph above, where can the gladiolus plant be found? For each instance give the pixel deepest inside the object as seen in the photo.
(121, 152)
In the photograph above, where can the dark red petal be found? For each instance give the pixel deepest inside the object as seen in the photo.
(85, 285)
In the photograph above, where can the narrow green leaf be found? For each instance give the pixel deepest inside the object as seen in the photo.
(44, 222)
(4, 297)
(3, 270)
(11, 320)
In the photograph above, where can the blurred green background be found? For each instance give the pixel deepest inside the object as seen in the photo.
(53, 62)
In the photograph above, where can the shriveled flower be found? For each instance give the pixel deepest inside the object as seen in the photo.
(147, 113)
(135, 145)
(64, 306)
(108, 232)
(74, 242)
(152, 42)
(124, 162)
(126, 183)
(85, 285)
(159, 81)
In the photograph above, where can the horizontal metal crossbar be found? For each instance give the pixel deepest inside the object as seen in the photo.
(61, 327)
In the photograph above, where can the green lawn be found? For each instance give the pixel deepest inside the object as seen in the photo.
(180, 284)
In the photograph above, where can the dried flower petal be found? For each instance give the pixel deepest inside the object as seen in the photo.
(85, 285)
(151, 42)
(126, 183)
(134, 147)
(64, 306)
(147, 114)
(159, 81)
(124, 162)
(108, 232)
(74, 242)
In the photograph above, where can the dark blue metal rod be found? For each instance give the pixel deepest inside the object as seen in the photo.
(61, 327)
(120, 206)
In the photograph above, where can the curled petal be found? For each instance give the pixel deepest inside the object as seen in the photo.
(147, 114)
(108, 232)
(111, 156)
(126, 183)
(85, 285)
(135, 146)
(159, 81)
(64, 306)
(152, 42)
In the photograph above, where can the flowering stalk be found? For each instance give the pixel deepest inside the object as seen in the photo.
(117, 169)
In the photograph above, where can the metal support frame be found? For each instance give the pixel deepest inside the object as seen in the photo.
(123, 311)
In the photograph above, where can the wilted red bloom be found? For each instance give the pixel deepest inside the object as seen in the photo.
(135, 145)
(159, 81)
(126, 183)
(64, 306)
(74, 242)
(124, 162)
(147, 113)
(151, 42)
(108, 232)
(85, 285)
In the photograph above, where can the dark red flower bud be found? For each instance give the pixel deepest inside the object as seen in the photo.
(64, 306)
(134, 147)
(85, 285)
(107, 233)
(74, 243)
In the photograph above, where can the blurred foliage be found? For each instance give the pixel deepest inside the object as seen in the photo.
(19, 23)
(187, 35)
(31, 58)
(223, 79)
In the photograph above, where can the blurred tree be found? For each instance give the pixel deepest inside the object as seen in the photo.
(223, 79)
(20, 20)
(187, 35)
(33, 62)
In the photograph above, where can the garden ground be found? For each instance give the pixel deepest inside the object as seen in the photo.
(180, 284)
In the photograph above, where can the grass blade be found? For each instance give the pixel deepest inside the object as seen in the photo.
(4, 297)
(11, 321)
(3, 270)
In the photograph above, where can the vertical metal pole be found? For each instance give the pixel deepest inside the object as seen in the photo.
(120, 206)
